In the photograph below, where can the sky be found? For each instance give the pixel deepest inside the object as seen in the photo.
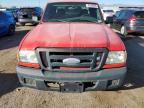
(42, 3)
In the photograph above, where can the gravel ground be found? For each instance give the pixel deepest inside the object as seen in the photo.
(14, 96)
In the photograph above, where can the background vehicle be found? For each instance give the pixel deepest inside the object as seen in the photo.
(129, 21)
(29, 15)
(7, 23)
(107, 13)
(72, 50)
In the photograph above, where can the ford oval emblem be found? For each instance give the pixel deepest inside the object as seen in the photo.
(71, 61)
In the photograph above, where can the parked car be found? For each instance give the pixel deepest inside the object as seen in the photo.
(7, 23)
(72, 50)
(107, 13)
(29, 15)
(129, 21)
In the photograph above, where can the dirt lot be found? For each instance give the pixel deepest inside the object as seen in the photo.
(14, 96)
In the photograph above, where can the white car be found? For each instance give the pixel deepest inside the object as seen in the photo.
(107, 13)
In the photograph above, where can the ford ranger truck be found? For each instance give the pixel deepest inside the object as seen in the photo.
(72, 50)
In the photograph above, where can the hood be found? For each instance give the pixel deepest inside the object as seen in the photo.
(69, 35)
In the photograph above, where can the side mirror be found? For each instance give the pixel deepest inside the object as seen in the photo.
(109, 20)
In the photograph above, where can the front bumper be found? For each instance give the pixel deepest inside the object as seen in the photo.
(26, 20)
(102, 79)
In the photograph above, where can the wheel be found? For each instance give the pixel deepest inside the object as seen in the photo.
(123, 30)
(11, 29)
(23, 24)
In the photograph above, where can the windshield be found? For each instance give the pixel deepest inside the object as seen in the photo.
(28, 10)
(72, 12)
(117, 13)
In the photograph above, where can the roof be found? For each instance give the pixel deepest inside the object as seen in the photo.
(86, 1)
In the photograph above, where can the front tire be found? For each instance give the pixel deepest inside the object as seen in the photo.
(11, 30)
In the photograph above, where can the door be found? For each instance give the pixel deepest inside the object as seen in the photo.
(2, 23)
(117, 20)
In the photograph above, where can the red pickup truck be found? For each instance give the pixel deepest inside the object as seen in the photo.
(72, 50)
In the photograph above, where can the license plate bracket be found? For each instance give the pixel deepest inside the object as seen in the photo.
(72, 87)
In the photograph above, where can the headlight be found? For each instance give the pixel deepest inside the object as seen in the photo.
(116, 57)
(28, 56)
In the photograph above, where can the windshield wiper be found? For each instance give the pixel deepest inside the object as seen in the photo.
(57, 20)
(76, 19)
(83, 20)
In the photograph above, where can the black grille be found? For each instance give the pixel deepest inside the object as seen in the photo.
(90, 59)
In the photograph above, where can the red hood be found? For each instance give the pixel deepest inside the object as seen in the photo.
(72, 35)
